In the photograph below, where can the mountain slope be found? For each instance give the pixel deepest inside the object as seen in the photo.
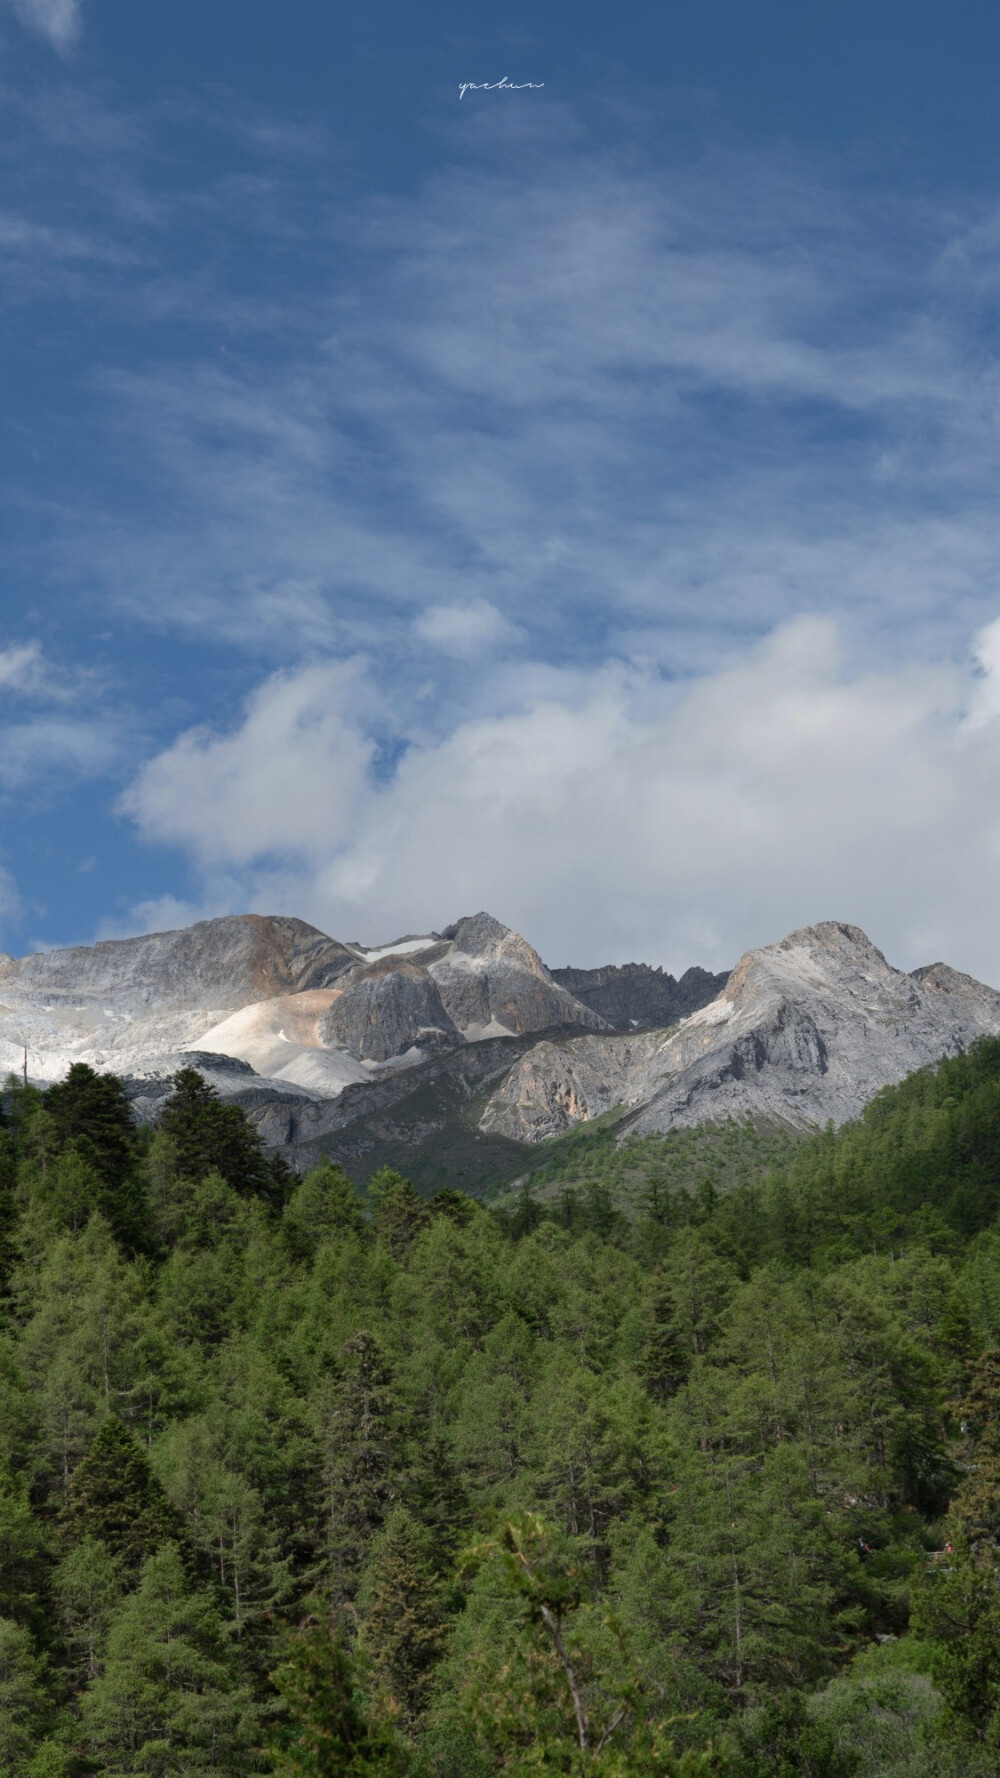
(308, 1014)
(804, 1030)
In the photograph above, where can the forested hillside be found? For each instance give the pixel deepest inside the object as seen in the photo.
(299, 1481)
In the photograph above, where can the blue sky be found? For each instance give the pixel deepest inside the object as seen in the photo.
(577, 501)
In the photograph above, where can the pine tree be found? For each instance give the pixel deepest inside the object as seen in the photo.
(23, 1551)
(322, 1206)
(360, 1466)
(402, 1613)
(91, 1116)
(958, 1604)
(25, 1704)
(88, 1586)
(169, 1699)
(115, 1497)
(204, 1136)
(398, 1211)
(326, 1731)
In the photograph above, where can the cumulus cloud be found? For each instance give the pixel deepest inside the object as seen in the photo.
(287, 781)
(57, 20)
(628, 816)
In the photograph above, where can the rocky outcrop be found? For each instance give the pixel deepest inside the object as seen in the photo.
(329, 1043)
(492, 983)
(805, 1030)
(634, 996)
(228, 962)
(387, 1008)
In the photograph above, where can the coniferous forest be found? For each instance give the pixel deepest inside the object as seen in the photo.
(703, 1480)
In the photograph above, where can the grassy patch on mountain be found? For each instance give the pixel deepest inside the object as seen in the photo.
(640, 1173)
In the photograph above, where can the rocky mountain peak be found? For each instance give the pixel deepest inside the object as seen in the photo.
(805, 1029)
(487, 940)
(226, 962)
(832, 951)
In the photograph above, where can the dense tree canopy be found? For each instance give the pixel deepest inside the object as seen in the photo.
(683, 1460)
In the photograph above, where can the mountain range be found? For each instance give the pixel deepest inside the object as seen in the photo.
(454, 1050)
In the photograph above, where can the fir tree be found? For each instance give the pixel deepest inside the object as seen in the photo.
(402, 1613)
(169, 1699)
(115, 1497)
(398, 1211)
(322, 1206)
(94, 1106)
(204, 1136)
(326, 1731)
(25, 1704)
(88, 1586)
(360, 1467)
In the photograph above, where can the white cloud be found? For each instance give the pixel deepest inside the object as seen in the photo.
(49, 746)
(288, 781)
(465, 630)
(21, 668)
(57, 20)
(54, 744)
(628, 817)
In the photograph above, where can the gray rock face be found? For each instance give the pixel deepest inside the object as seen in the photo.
(228, 962)
(479, 979)
(804, 1030)
(491, 979)
(634, 996)
(387, 1008)
(304, 1010)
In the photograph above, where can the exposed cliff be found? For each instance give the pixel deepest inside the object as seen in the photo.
(805, 1030)
(634, 996)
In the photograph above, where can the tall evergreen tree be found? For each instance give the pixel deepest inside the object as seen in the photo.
(26, 1710)
(93, 1109)
(360, 1472)
(169, 1699)
(322, 1206)
(398, 1211)
(88, 1586)
(115, 1497)
(206, 1136)
(402, 1613)
(326, 1731)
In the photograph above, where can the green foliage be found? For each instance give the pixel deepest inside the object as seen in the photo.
(326, 1731)
(359, 1466)
(627, 1478)
(566, 1694)
(402, 1614)
(25, 1704)
(115, 1498)
(202, 1135)
(325, 1206)
(398, 1211)
(168, 1698)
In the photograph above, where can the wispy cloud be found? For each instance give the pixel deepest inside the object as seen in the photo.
(57, 20)
(674, 405)
(625, 478)
(52, 727)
